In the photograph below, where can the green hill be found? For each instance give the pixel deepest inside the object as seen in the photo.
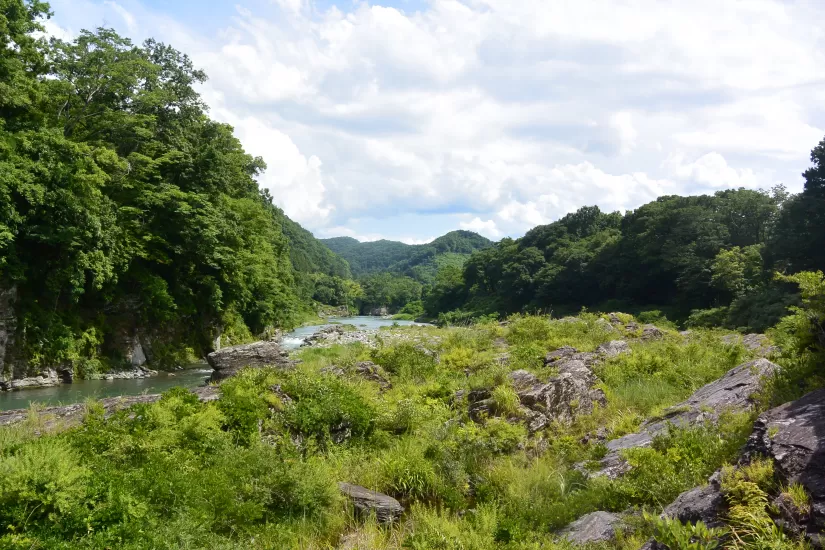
(417, 261)
(309, 255)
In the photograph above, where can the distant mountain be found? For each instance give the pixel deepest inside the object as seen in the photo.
(420, 261)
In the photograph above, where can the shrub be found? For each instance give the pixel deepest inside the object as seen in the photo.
(405, 361)
(684, 536)
(322, 405)
(42, 483)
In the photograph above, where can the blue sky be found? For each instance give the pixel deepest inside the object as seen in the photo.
(405, 119)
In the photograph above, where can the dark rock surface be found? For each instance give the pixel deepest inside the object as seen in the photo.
(385, 508)
(703, 503)
(228, 361)
(733, 391)
(793, 435)
(593, 527)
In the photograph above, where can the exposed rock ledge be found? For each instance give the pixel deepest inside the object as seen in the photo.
(228, 361)
(731, 392)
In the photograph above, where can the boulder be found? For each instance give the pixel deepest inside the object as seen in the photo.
(366, 502)
(614, 348)
(733, 391)
(652, 332)
(522, 379)
(228, 361)
(793, 435)
(591, 528)
(565, 396)
(374, 373)
(704, 503)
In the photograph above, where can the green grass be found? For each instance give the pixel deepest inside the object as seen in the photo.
(258, 470)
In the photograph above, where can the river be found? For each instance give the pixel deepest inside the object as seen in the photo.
(193, 376)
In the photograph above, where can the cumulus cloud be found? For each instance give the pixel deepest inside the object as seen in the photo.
(505, 114)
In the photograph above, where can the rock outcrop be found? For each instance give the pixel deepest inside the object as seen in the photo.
(8, 326)
(366, 502)
(570, 393)
(228, 361)
(46, 379)
(733, 391)
(591, 528)
(793, 435)
(704, 503)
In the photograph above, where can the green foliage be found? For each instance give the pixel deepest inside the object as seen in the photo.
(680, 459)
(684, 536)
(125, 207)
(406, 361)
(421, 262)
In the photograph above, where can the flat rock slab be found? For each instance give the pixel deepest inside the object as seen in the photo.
(228, 361)
(385, 508)
(731, 392)
(593, 527)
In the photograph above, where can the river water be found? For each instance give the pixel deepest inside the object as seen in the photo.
(193, 376)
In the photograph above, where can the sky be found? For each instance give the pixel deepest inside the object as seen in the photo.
(406, 119)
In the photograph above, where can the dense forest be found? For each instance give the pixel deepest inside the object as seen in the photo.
(126, 213)
(701, 260)
(395, 276)
(418, 261)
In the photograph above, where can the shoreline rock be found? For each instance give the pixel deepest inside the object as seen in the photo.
(229, 361)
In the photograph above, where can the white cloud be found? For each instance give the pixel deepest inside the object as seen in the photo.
(487, 228)
(505, 114)
(711, 169)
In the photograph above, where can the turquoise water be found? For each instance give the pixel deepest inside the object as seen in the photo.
(192, 377)
(295, 338)
(66, 394)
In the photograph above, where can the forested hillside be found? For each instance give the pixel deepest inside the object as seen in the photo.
(702, 260)
(127, 215)
(421, 261)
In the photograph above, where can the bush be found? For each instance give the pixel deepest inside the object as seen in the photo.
(406, 361)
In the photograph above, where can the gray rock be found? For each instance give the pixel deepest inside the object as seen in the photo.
(522, 379)
(228, 361)
(563, 397)
(593, 527)
(374, 373)
(733, 391)
(132, 374)
(704, 503)
(652, 332)
(366, 502)
(564, 352)
(46, 379)
(793, 435)
(613, 348)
